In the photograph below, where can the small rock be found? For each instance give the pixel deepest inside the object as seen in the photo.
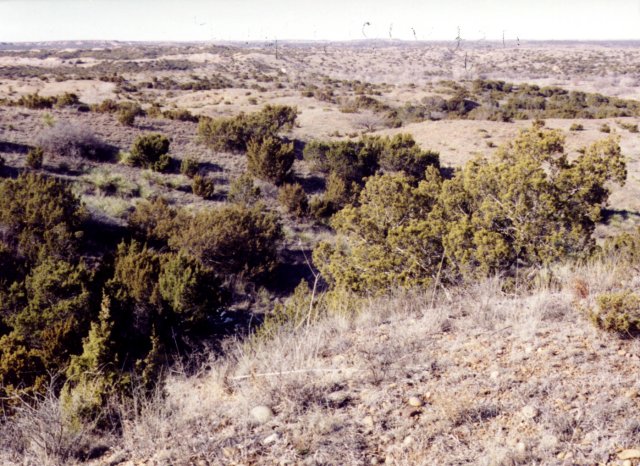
(374, 461)
(368, 421)
(627, 463)
(521, 447)
(529, 412)
(633, 393)
(407, 441)
(262, 414)
(273, 438)
(415, 402)
(630, 454)
(549, 442)
(621, 352)
(494, 375)
(228, 451)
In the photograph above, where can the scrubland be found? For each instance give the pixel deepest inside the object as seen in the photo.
(347, 253)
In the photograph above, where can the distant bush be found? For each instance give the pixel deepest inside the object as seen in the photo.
(35, 157)
(293, 198)
(243, 191)
(73, 140)
(401, 153)
(150, 151)
(233, 134)
(154, 221)
(189, 167)
(204, 187)
(270, 159)
(180, 114)
(127, 117)
(576, 127)
(605, 128)
(36, 101)
(67, 99)
(618, 312)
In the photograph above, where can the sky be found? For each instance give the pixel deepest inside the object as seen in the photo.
(258, 20)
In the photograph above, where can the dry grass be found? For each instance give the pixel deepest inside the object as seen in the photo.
(501, 379)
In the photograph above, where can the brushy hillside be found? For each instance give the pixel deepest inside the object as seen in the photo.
(462, 375)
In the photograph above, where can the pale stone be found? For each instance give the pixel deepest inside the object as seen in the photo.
(630, 454)
(262, 414)
(415, 402)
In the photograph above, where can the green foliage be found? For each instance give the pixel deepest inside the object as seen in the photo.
(234, 240)
(150, 151)
(204, 187)
(39, 216)
(242, 190)
(401, 153)
(35, 157)
(154, 221)
(618, 312)
(233, 134)
(192, 291)
(293, 198)
(528, 207)
(189, 167)
(270, 159)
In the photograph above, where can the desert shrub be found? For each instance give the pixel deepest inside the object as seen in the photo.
(270, 159)
(605, 128)
(73, 140)
(242, 190)
(67, 99)
(127, 116)
(293, 198)
(618, 312)
(180, 114)
(576, 127)
(46, 316)
(492, 216)
(234, 240)
(233, 134)
(631, 127)
(36, 101)
(39, 216)
(624, 247)
(189, 167)
(401, 153)
(150, 151)
(204, 187)
(193, 291)
(35, 158)
(106, 106)
(154, 221)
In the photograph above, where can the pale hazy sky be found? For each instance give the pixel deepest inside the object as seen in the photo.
(38, 20)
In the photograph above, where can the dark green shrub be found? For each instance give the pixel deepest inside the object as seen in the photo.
(204, 187)
(233, 134)
(150, 151)
(39, 216)
(35, 158)
(401, 153)
(154, 221)
(270, 159)
(189, 167)
(293, 198)
(242, 190)
(234, 240)
(618, 312)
